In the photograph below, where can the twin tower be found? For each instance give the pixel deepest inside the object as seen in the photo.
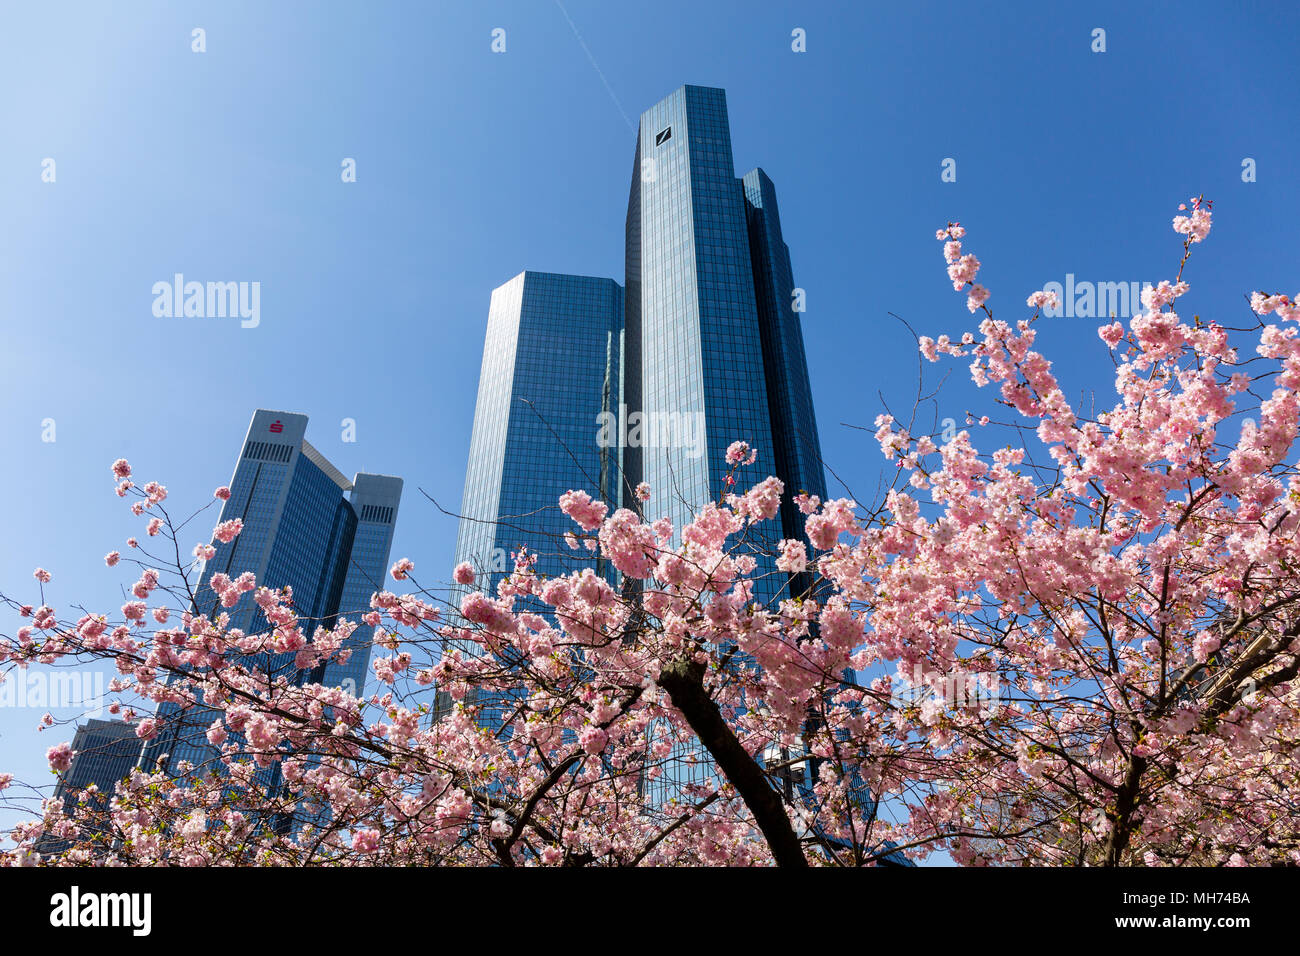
(592, 385)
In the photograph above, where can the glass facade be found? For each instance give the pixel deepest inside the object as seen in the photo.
(692, 335)
(546, 420)
(797, 450)
(702, 347)
(708, 335)
(373, 501)
(105, 753)
(703, 350)
(305, 527)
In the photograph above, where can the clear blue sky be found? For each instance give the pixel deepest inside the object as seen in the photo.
(472, 166)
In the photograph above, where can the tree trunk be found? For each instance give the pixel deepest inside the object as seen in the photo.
(684, 683)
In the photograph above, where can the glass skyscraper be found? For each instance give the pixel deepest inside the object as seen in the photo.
(105, 752)
(702, 347)
(307, 527)
(712, 326)
(546, 419)
(546, 422)
(796, 450)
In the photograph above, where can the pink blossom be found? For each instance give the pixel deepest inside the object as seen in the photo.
(630, 544)
(195, 826)
(807, 503)
(60, 756)
(739, 453)
(1205, 644)
(463, 573)
(761, 502)
(112, 558)
(402, 568)
(1196, 226)
(1284, 306)
(579, 506)
(1040, 299)
(963, 271)
(493, 615)
(227, 531)
(1112, 334)
(593, 739)
(222, 493)
(835, 519)
(794, 557)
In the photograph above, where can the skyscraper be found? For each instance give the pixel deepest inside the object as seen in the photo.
(702, 347)
(307, 527)
(551, 378)
(712, 323)
(105, 752)
(796, 450)
(589, 385)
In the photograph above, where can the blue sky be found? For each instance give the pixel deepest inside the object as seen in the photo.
(473, 165)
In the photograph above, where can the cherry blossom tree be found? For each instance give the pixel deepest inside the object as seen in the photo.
(1080, 651)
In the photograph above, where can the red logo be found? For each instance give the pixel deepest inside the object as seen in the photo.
(276, 427)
